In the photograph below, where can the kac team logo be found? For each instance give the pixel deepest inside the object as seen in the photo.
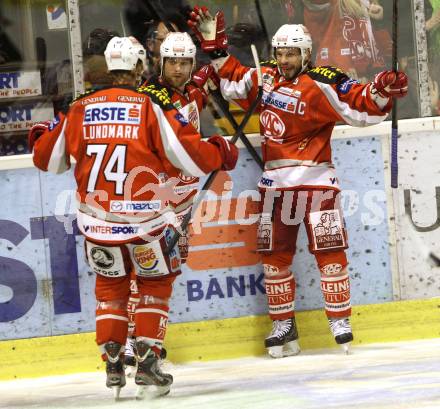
(273, 125)
(193, 116)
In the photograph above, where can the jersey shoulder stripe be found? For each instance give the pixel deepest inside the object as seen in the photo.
(327, 74)
(269, 63)
(85, 94)
(158, 93)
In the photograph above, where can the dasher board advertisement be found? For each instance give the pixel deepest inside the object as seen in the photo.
(20, 84)
(19, 117)
(46, 288)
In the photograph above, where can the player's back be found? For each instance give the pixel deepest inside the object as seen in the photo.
(107, 132)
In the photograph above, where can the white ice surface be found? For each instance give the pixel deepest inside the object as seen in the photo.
(377, 376)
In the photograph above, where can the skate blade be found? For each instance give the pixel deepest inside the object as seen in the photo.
(130, 371)
(281, 351)
(151, 391)
(116, 392)
(276, 351)
(141, 392)
(291, 348)
(162, 390)
(346, 348)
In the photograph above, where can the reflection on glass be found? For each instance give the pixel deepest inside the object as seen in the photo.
(95, 67)
(37, 74)
(35, 69)
(433, 30)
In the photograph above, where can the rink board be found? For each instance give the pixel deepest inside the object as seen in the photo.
(47, 289)
(223, 339)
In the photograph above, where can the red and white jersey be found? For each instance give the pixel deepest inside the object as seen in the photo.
(125, 141)
(189, 104)
(297, 118)
(342, 40)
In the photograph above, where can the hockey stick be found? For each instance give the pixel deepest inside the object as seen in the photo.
(263, 27)
(186, 219)
(394, 125)
(246, 142)
(216, 95)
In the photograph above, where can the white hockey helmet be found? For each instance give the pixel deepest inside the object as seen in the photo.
(177, 45)
(296, 36)
(123, 53)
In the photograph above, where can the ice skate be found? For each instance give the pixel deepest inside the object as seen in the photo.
(283, 339)
(114, 367)
(149, 373)
(130, 362)
(341, 330)
(129, 358)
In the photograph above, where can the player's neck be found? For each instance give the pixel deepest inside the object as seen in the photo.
(180, 90)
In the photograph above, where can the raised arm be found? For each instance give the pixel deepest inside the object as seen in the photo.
(237, 82)
(354, 103)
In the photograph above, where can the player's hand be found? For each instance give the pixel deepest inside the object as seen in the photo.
(206, 79)
(228, 151)
(35, 132)
(209, 30)
(391, 84)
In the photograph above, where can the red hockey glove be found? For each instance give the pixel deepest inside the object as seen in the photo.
(206, 79)
(228, 151)
(209, 30)
(35, 132)
(391, 84)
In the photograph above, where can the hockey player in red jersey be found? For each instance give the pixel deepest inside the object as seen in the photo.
(300, 106)
(125, 142)
(346, 36)
(187, 93)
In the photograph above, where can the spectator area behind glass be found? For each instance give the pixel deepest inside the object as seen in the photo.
(37, 75)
